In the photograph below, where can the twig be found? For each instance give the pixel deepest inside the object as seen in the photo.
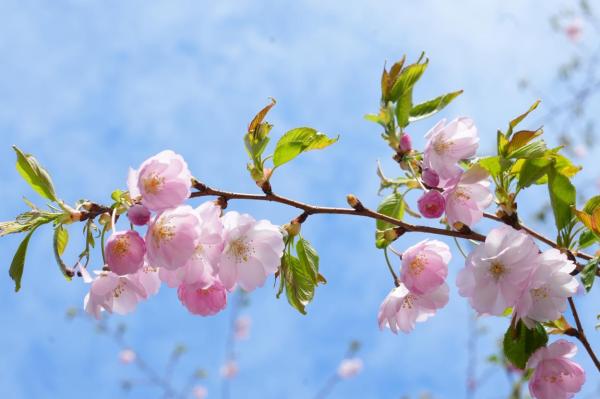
(581, 335)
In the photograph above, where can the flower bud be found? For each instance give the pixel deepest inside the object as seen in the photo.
(125, 252)
(405, 143)
(430, 177)
(431, 204)
(354, 202)
(104, 219)
(292, 228)
(139, 215)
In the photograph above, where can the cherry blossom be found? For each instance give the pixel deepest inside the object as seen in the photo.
(574, 30)
(242, 327)
(401, 309)
(229, 370)
(127, 356)
(203, 298)
(138, 215)
(555, 376)
(113, 293)
(498, 270)
(163, 181)
(253, 250)
(425, 266)
(432, 204)
(449, 143)
(200, 392)
(148, 278)
(466, 201)
(125, 252)
(349, 368)
(550, 284)
(172, 237)
(405, 143)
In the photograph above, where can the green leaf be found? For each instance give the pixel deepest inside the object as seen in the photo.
(519, 118)
(18, 263)
(393, 205)
(403, 107)
(562, 198)
(532, 170)
(116, 195)
(588, 274)
(35, 175)
(521, 138)
(520, 343)
(297, 141)
(428, 108)
(299, 285)
(491, 164)
(308, 258)
(591, 205)
(62, 239)
(532, 150)
(407, 79)
(587, 238)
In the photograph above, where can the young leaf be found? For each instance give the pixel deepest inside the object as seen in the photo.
(62, 239)
(587, 238)
(519, 118)
(18, 263)
(403, 107)
(407, 79)
(521, 138)
(588, 274)
(520, 343)
(299, 285)
(392, 205)
(297, 141)
(428, 108)
(591, 205)
(491, 164)
(531, 171)
(532, 150)
(562, 197)
(309, 258)
(35, 175)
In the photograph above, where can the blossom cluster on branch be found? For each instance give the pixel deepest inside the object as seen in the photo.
(206, 252)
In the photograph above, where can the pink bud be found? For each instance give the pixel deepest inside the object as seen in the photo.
(430, 178)
(201, 299)
(125, 252)
(431, 204)
(127, 356)
(139, 215)
(405, 143)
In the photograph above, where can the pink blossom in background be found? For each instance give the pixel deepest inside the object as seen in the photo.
(252, 251)
(425, 266)
(555, 376)
(200, 392)
(229, 370)
(432, 204)
(172, 237)
(203, 298)
(401, 309)
(113, 293)
(498, 270)
(138, 215)
(551, 283)
(580, 151)
(127, 356)
(242, 327)
(125, 252)
(202, 265)
(466, 201)
(574, 30)
(349, 368)
(147, 278)
(449, 143)
(163, 181)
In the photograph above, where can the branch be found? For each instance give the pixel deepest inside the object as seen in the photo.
(580, 335)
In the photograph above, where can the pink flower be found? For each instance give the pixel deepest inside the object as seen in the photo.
(147, 278)
(405, 143)
(252, 251)
(498, 270)
(209, 245)
(551, 283)
(138, 215)
(448, 144)
(125, 252)
(466, 201)
(425, 266)
(172, 237)
(350, 368)
(555, 376)
(229, 370)
(113, 293)
(431, 204)
(574, 30)
(203, 298)
(430, 178)
(200, 392)
(242, 327)
(163, 181)
(401, 309)
(127, 356)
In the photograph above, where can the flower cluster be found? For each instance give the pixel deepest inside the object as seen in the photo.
(200, 251)
(422, 289)
(461, 195)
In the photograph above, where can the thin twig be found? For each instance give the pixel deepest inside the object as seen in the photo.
(581, 335)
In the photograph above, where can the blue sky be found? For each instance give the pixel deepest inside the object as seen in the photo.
(92, 88)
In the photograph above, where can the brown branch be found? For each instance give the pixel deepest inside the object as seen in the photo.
(581, 335)
(205, 191)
